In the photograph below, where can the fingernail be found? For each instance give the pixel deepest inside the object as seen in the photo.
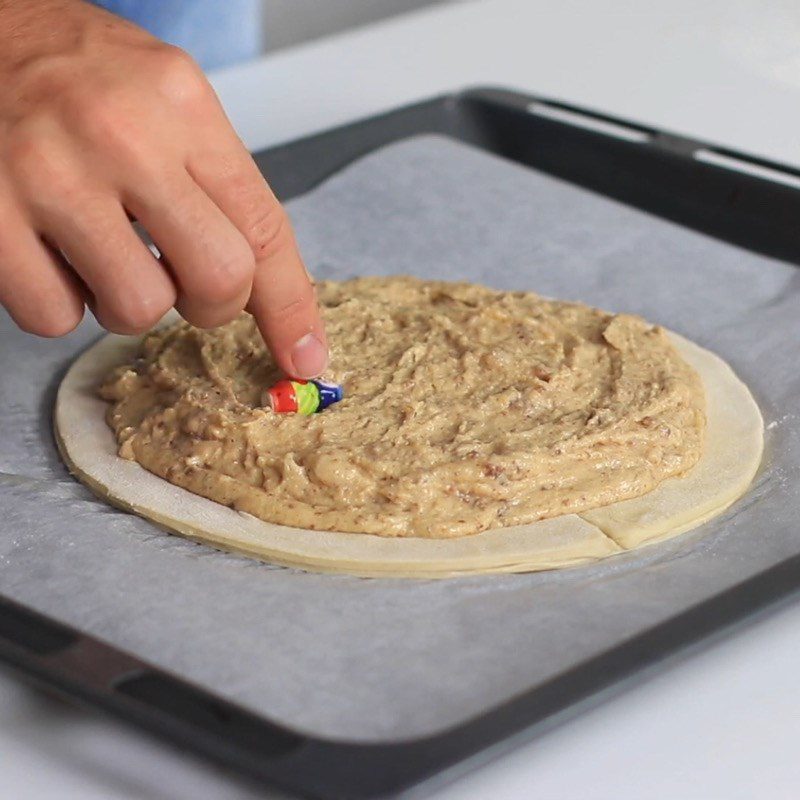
(309, 357)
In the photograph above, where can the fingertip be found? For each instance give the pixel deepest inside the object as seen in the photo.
(202, 315)
(308, 357)
(288, 316)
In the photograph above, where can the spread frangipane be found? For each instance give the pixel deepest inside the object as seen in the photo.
(465, 409)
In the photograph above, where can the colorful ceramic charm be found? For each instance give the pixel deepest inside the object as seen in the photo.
(302, 397)
(329, 393)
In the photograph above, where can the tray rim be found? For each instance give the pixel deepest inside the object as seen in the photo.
(85, 668)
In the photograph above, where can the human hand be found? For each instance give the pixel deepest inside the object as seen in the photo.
(101, 123)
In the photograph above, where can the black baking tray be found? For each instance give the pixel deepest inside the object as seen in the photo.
(747, 201)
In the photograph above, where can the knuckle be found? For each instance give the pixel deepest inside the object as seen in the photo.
(94, 217)
(103, 116)
(33, 160)
(23, 148)
(112, 125)
(208, 318)
(236, 272)
(226, 281)
(133, 316)
(113, 325)
(44, 175)
(88, 214)
(52, 325)
(179, 79)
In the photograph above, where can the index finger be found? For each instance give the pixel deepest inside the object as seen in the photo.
(282, 300)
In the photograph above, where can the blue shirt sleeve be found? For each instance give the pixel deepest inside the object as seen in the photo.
(215, 32)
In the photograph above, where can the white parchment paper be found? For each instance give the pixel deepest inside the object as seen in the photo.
(385, 659)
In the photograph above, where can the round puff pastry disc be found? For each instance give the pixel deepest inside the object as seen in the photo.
(733, 449)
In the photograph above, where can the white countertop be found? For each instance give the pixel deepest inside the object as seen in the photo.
(719, 723)
(723, 70)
